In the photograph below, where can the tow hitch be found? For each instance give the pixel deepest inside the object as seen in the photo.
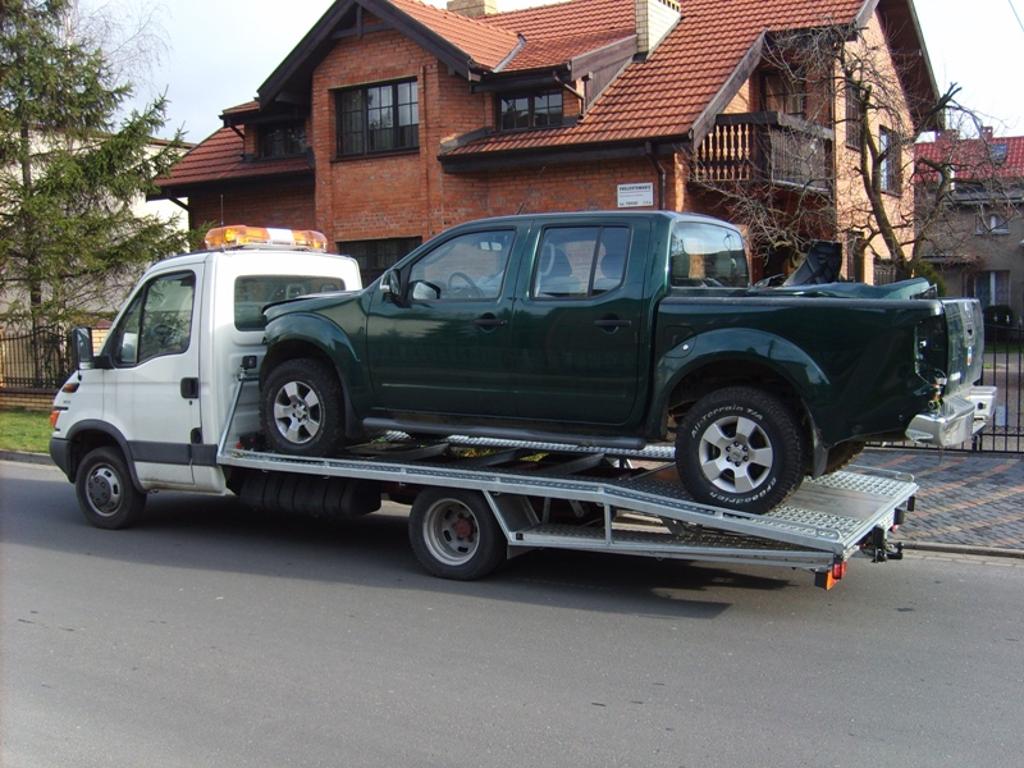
(878, 547)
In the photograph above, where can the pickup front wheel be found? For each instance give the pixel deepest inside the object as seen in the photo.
(742, 448)
(302, 408)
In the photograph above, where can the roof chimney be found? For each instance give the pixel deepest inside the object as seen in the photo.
(654, 19)
(473, 8)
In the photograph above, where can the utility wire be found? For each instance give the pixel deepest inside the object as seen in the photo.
(1016, 15)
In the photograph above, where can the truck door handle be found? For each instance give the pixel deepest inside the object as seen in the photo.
(489, 321)
(611, 323)
(190, 388)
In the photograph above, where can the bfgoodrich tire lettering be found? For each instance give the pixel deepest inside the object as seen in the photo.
(742, 448)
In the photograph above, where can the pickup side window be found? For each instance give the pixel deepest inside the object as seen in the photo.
(253, 292)
(703, 254)
(158, 321)
(577, 262)
(467, 267)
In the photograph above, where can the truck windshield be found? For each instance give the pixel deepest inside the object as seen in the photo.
(702, 254)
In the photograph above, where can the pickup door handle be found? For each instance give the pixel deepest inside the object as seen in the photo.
(489, 321)
(611, 323)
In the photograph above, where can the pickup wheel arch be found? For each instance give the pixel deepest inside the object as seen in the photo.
(286, 349)
(730, 372)
(302, 407)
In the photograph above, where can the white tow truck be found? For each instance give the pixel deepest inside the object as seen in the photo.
(171, 402)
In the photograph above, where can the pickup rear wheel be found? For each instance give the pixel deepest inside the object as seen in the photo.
(303, 408)
(740, 447)
(106, 495)
(454, 535)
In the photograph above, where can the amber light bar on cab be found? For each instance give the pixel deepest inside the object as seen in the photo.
(241, 235)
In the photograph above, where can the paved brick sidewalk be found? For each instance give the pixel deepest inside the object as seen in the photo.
(970, 499)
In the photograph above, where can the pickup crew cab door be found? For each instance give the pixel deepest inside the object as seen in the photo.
(441, 348)
(153, 382)
(577, 328)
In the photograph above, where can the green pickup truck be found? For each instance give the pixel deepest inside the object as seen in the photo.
(619, 329)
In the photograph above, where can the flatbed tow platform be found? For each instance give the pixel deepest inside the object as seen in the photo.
(477, 501)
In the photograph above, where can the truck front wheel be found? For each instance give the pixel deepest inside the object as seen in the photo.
(454, 535)
(106, 495)
(303, 408)
(741, 448)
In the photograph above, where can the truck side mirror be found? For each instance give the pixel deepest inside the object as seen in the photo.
(391, 287)
(81, 345)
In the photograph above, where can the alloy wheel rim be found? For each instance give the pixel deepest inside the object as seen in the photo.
(735, 454)
(298, 412)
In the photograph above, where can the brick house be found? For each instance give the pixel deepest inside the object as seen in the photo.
(980, 253)
(392, 120)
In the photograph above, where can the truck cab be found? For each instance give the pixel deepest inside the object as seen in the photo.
(146, 411)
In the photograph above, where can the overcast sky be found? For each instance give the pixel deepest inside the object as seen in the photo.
(218, 52)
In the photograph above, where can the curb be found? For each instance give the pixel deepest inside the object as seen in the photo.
(964, 549)
(26, 457)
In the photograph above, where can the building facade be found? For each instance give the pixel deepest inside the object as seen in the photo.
(392, 120)
(979, 249)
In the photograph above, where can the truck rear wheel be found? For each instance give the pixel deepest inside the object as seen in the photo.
(105, 491)
(454, 535)
(742, 448)
(302, 408)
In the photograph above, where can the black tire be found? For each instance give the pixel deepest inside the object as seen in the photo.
(741, 448)
(302, 409)
(106, 494)
(842, 454)
(454, 535)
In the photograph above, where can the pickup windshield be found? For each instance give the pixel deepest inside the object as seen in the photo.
(702, 254)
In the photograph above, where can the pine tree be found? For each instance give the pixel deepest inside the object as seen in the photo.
(70, 173)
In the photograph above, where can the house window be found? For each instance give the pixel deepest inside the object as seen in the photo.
(998, 153)
(283, 140)
(782, 93)
(991, 224)
(378, 118)
(854, 114)
(892, 161)
(990, 288)
(535, 110)
(376, 256)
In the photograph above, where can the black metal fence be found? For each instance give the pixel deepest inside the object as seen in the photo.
(39, 360)
(1004, 361)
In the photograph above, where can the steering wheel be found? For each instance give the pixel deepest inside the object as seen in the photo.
(471, 289)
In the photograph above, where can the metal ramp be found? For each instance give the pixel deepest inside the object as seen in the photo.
(638, 511)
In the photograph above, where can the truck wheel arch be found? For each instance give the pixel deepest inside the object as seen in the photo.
(89, 434)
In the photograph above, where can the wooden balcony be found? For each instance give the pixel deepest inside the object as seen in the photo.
(766, 147)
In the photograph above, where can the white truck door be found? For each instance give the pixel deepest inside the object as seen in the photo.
(153, 386)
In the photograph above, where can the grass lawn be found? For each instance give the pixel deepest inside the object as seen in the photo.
(25, 431)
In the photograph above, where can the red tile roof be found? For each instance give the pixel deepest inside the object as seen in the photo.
(482, 42)
(665, 94)
(973, 158)
(219, 158)
(249, 106)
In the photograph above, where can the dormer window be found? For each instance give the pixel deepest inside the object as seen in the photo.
(284, 140)
(532, 110)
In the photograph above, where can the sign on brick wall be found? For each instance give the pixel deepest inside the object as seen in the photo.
(635, 195)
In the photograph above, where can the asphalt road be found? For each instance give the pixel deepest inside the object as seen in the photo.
(208, 637)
